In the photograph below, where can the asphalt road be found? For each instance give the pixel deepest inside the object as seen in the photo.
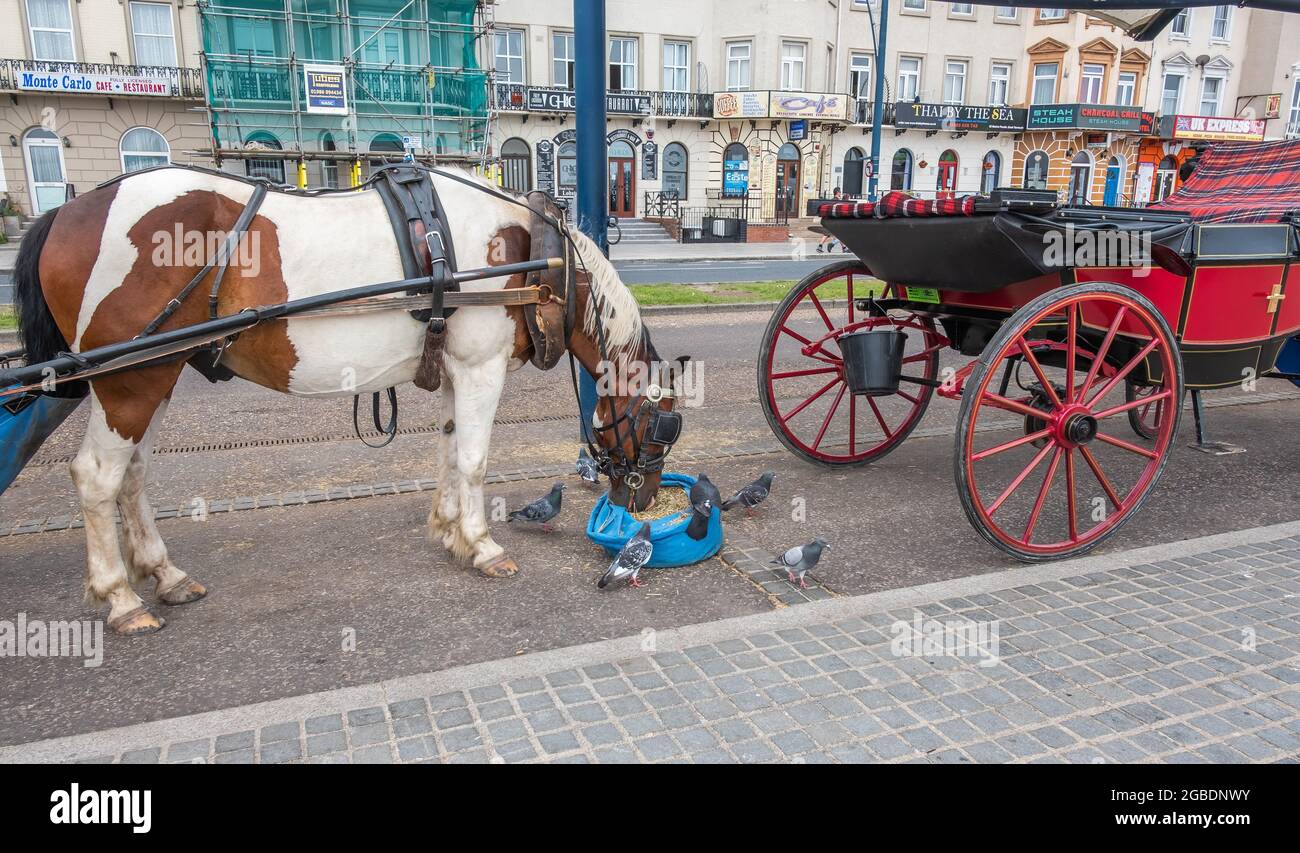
(706, 272)
(288, 583)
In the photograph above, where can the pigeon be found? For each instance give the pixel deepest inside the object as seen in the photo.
(542, 510)
(587, 469)
(752, 495)
(627, 564)
(704, 497)
(800, 560)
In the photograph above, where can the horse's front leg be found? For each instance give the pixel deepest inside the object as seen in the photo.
(444, 514)
(478, 391)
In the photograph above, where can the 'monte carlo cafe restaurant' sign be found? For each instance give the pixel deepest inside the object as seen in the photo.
(58, 80)
(959, 117)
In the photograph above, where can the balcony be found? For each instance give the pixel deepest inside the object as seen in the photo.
(379, 91)
(101, 79)
(863, 112)
(521, 98)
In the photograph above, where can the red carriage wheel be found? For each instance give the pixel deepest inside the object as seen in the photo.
(1064, 488)
(801, 373)
(1145, 419)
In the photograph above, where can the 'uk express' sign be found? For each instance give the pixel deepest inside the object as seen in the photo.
(96, 84)
(1214, 128)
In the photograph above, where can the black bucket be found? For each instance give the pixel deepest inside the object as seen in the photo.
(873, 359)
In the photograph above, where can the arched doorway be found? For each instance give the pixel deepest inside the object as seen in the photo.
(1166, 174)
(1080, 189)
(622, 179)
(43, 152)
(946, 185)
(264, 167)
(1114, 180)
(900, 171)
(853, 159)
(735, 171)
(516, 165)
(992, 174)
(676, 179)
(1036, 171)
(787, 180)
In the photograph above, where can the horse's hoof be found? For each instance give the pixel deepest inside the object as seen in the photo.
(501, 567)
(137, 622)
(183, 591)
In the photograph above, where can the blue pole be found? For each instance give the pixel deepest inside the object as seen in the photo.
(592, 192)
(878, 104)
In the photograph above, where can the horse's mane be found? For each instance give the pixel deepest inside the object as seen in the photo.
(619, 314)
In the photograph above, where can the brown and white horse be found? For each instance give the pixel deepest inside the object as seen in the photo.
(98, 269)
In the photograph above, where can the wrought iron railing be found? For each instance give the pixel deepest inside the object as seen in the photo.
(184, 82)
(513, 97)
(665, 204)
(863, 110)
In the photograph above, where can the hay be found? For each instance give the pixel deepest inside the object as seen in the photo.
(669, 501)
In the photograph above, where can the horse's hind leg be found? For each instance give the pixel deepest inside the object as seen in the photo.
(99, 470)
(146, 554)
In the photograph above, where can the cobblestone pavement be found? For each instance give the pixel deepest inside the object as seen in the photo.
(1194, 657)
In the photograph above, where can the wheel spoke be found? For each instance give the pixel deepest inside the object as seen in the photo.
(853, 425)
(923, 354)
(812, 371)
(1144, 402)
(1124, 445)
(792, 333)
(1101, 477)
(1072, 329)
(1001, 448)
(1000, 402)
(806, 403)
(1038, 371)
(1042, 495)
(1070, 506)
(821, 433)
(849, 291)
(817, 303)
(1124, 371)
(1100, 357)
(908, 397)
(879, 418)
(1015, 484)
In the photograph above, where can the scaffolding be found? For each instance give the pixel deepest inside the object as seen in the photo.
(409, 80)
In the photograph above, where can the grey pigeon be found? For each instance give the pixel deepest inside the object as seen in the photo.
(587, 469)
(800, 560)
(752, 495)
(704, 497)
(628, 562)
(542, 510)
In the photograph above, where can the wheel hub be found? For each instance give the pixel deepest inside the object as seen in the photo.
(1076, 427)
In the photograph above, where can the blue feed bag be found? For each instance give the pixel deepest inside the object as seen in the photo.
(1288, 361)
(25, 422)
(611, 526)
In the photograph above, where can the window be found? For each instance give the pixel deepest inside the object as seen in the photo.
(860, 75)
(1181, 24)
(852, 182)
(1221, 28)
(1036, 171)
(1052, 14)
(1166, 173)
(1090, 83)
(1171, 95)
(900, 172)
(1080, 188)
(1000, 84)
(1006, 13)
(1126, 90)
(566, 160)
(1211, 95)
(50, 22)
(954, 82)
(945, 184)
(562, 59)
(1293, 121)
(677, 66)
(151, 30)
(508, 56)
(271, 169)
(676, 170)
(735, 171)
(143, 147)
(516, 165)
(992, 175)
(739, 59)
(329, 169)
(909, 77)
(965, 10)
(1045, 83)
(794, 55)
(914, 5)
(622, 64)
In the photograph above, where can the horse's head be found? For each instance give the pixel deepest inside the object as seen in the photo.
(635, 426)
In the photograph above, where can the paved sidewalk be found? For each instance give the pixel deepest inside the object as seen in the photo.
(702, 251)
(1184, 652)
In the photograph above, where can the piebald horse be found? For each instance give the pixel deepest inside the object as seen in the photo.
(95, 272)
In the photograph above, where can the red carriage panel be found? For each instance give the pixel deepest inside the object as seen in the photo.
(1288, 307)
(1229, 304)
(1165, 290)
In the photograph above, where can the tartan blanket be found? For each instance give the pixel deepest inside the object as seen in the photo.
(1241, 182)
(895, 203)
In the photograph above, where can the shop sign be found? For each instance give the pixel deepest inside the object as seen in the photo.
(1214, 128)
(548, 100)
(1086, 117)
(959, 117)
(325, 89)
(740, 105)
(59, 79)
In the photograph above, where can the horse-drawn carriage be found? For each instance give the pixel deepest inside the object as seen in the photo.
(1081, 318)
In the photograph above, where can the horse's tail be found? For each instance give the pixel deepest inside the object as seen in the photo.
(39, 333)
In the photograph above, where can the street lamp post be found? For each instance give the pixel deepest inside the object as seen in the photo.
(878, 106)
(589, 98)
